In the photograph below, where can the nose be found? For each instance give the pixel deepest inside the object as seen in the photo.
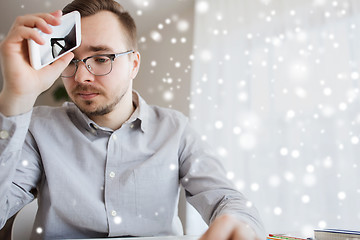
(82, 74)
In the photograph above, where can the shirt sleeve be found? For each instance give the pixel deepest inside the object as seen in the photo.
(13, 165)
(206, 186)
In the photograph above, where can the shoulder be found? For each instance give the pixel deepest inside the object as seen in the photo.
(159, 114)
(45, 119)
(49, 116)
(43, 112)
(162, 120)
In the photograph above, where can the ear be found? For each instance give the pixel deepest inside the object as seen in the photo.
(135, 58)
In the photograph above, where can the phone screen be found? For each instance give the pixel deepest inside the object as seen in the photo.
(64, 38)
(60, 41)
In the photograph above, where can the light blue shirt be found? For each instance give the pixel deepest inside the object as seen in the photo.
(93, 181)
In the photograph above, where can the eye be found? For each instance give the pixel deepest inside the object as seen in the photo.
(101, 59)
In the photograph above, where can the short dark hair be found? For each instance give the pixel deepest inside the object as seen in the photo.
(91, 7)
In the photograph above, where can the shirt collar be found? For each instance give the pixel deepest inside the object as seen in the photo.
(141, 111)
(140, 114)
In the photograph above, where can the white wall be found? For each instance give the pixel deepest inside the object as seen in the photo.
(168, 83)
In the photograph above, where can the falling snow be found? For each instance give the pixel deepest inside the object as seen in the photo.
(285, 117)
(39, 230)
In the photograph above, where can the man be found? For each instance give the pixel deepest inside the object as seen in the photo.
(107, 164)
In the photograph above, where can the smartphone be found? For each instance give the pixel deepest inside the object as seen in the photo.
(64, 38)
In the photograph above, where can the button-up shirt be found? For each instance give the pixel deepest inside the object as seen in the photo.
(92, 181)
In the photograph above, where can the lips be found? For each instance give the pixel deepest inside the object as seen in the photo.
(86, 92)
(87, 96)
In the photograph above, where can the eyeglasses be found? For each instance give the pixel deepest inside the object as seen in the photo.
(99, 65)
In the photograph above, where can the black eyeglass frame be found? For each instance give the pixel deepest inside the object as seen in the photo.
(55, 41)
(112, 57)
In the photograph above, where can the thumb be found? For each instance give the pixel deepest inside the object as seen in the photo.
(60, 64)
(53, 71)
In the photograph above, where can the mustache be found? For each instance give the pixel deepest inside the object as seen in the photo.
(86, 88)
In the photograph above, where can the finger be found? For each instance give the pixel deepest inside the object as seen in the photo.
(40, 21)
(40, 24)
(57, 67)
(57, 13)
(53, 18)
(23, 32)
(24, 26)
(36, 22)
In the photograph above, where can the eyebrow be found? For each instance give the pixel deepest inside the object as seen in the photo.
(100, 48)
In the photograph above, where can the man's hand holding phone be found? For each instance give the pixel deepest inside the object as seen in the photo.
(22, 83)
(63, 39)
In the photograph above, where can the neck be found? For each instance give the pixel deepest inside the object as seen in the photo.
(120, 114)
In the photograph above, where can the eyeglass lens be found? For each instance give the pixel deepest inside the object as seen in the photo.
(97, 65)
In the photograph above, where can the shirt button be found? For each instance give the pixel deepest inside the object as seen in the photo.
(114, 137)
(112, 174)
(113, 213)
(132, 126)
(4, 134)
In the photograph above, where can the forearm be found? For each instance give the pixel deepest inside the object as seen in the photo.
(12, 136)
(208, 190)
(242, 209)
(11, 105)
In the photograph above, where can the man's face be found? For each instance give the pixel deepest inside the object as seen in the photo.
(102, 33)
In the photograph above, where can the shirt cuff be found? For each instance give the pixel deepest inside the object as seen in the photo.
(13, 131)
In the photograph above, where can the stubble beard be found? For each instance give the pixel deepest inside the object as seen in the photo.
(100, 110)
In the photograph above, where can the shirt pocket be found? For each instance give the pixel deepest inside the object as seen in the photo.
(156, 190)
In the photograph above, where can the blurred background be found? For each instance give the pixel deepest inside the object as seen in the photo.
(273, 85)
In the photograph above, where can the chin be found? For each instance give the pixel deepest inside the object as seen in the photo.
(86, 106)
(95, 110)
